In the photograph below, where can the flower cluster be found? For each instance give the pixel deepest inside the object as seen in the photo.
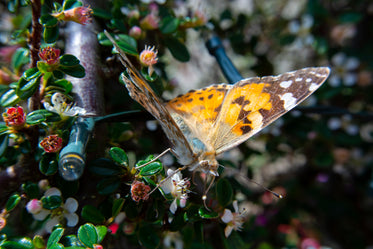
(15, 117)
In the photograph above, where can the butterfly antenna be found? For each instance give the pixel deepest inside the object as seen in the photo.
(154, 159)
(280, 196)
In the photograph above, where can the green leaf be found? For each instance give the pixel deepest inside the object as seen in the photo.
(351, 17)
(102, 13)
(103, 40)
(169, 25)
(119, 156)
(150, 169)
(50, 34)
(108, 185)
(117, 206)
(31, 73)
(12, 202)
(224, 192)
(65, 84)
(206, 214)
(70, 241)
(22, 243)
(4, 142)
(42, 115)
(148, 236)
(55, 237)
(69, 4)
(20, 57)
(69, 60)
(56, 246)
(48, 20)
(31, 189)
(9, 98)
(101, 233)
(76, 71)
(38, 242)
(178, 50)
(48, 164)
(92, 214)
(26, 88)
(87, 235)
(105, 167)
(51, 202)
(127, 43)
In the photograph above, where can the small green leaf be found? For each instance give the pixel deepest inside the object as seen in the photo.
(48, 164)
(48, 20)
(105, 167)
(178, 50)
(150, 169)
(69, 4)
(76, 71)
(169, 25)
(56, 246)
(31, 189)
(92, 214)
(26, 88)
(9, 98)
(103, 40)
(117, 206)
(119, 156)
(87, 235)
(38, 242)
(127, 43)
(204, 213)
(65, 84)
(224, 192)
(69, 60)
(108, 185)
(70, 240)
(12, 202)
(22, 243)
(51, 202)
(101, 233)
(4, 142)
(102, 13)
(20, 57)
(55, 237)
(42, 115)
(50, 34)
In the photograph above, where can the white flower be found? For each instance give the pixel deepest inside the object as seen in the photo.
(343, 68)
(173, 240)
(178, 187)
(57, 215)
(302, 30)
(60, 106)
(233, 220)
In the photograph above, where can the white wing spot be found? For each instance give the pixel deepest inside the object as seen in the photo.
(289, 100)
(298, 79)
(286, 84)
(313, 87)
(308, 80)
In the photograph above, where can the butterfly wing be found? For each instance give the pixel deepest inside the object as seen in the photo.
(140, 91)
(253, 103)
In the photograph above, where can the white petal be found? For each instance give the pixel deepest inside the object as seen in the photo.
(338, 59)
(334, 81)
(72, 219)
(352, 63)
(307, 21)
(182, 203)
(235, 206)
(349, 79)
(294, 27)
(160, 1)
(167, 186)
(48, 107)
(227, 216)
(51, 223)
(41, 215)
(228, 230)
(71, 205)
(52, 192)
(334, 123)
(76, 110)
(173, 206)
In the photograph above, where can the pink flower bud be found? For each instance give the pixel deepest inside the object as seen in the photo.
(135, 32)
(50, 55)
(34, 206)
(82, 15)
(51, 144)
(14, 117)
(139, 191)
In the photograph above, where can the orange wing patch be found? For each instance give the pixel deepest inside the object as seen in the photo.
(243, 107)
(203, 105)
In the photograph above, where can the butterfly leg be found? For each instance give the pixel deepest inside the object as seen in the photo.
(155, 159)
(204, 197)
(168, 177)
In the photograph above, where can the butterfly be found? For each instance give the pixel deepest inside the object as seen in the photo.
(204, 123)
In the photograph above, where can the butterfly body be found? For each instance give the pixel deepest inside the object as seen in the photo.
(204, 123)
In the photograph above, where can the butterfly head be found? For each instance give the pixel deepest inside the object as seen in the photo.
(208, 163)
